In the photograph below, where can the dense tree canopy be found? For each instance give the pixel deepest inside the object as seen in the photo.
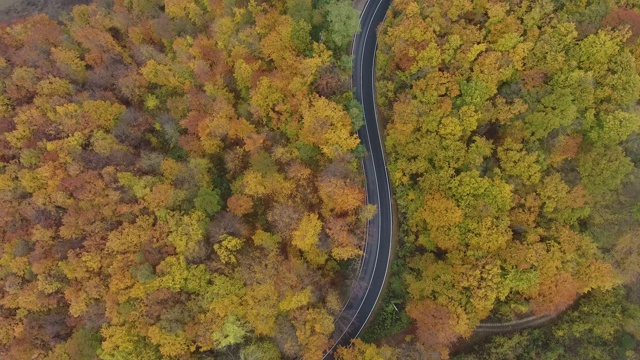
(511, 139)
(602, 326)
(172, 179)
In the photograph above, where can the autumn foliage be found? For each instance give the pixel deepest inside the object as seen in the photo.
(511, 143)
(171, 180)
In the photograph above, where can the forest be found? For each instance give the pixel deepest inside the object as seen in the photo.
(181, 179)
(512, 136)
(178, 180)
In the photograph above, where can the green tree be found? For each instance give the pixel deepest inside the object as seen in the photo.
(300, 10)
(603, 168)
(615, 127)
(343, 22)
(208, 201)
(233, 331)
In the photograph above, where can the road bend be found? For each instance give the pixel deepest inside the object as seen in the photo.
(377, 252)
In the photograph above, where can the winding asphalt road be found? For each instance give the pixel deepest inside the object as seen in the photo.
(377, 252)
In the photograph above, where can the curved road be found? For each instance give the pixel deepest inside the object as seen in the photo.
(377, 251)
(511, 326)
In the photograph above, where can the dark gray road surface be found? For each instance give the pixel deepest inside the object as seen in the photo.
(377, 252)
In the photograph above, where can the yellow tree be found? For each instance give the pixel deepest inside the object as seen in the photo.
(360, 350)
(517, 162)
(442, 216)
(227, 247)
(262, 308)
(313, 327)
(327, 125)
(306, 238)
